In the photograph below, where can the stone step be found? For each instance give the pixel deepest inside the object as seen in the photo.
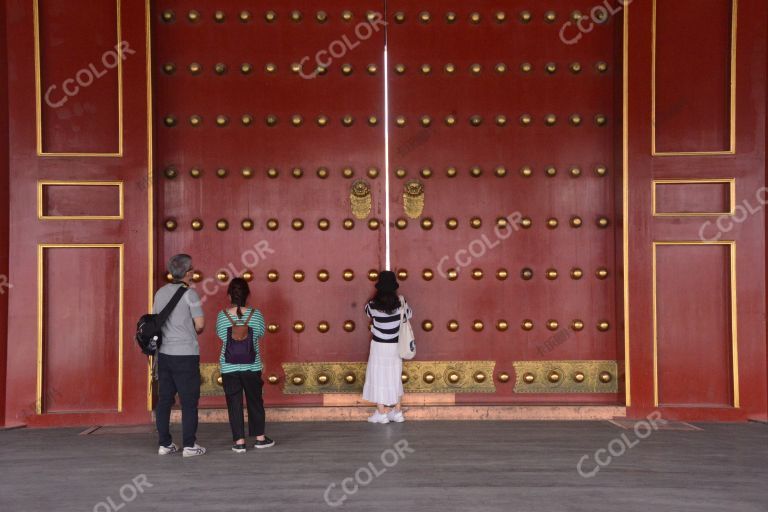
(431, 413)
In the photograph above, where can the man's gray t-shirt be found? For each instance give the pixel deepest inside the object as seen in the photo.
(179, 335)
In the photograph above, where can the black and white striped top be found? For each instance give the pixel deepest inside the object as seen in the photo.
(385, 326)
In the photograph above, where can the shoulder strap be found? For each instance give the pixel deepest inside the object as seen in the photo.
(168, 309)
(402, 308)
(248, 320)
(231, 320)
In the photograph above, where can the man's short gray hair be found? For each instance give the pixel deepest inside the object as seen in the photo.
(179, 265)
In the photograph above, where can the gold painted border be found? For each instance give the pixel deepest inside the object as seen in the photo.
(732, 147)
(40, 319)
(734, 319)
(731, 182)
(43, 183)
(39, 92)
(625, 206)
(150, 184)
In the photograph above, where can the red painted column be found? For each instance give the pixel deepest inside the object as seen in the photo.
(3, 210)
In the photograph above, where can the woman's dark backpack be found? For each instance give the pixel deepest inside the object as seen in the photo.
(240, 342)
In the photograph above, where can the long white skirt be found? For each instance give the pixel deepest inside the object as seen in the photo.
(383, 377)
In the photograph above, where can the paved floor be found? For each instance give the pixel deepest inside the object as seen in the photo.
(412, 467)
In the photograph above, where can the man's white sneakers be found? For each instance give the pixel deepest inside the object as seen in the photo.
(167, 450)
(194, 451)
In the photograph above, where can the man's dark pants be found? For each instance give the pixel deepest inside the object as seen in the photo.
(178, 374)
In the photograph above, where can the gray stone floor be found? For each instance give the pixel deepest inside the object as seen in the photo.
(419, 467)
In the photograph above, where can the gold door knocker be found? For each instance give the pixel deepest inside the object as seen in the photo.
(413, 198)
(360, 199)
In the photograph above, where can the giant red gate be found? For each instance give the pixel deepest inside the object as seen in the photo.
(564, 183)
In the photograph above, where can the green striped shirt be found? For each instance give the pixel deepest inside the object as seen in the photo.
(256, 323)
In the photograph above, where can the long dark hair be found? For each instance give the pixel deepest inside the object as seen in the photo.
(238, 292)
(386, 301)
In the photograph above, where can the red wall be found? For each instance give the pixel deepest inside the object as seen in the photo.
(3, 207)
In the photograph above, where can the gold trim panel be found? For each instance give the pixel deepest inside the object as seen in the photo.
(734, 318)
(150, 184)
(731, 182)
(39, 92)
(40, 315)
(625, 205)
(732, 145)
(566, 377)
(43, 183)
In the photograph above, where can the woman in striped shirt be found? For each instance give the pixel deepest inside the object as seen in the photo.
(383, 382)
(238, 378)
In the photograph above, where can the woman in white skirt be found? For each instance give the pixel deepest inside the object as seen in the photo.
(383, 377)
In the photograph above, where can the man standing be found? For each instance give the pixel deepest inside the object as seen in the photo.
(178, 365)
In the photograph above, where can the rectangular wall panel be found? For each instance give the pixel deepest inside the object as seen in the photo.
(79, 77)
(73, 200)
(80, 316)
(679, 198)
(695, 336)
(694, 77)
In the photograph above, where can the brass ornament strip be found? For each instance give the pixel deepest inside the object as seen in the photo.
(731, 182)
(734, 316)
(41, 310)
(733, 75)
(210, 383)
(349, 377)
(419, 377)
(566, 377)
(39, 91)
(41, 184)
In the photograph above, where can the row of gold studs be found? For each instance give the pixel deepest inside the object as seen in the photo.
(500, 171)
(219, 16)
(526, 274)
(347, 69)
(427, 223)
(553, 376)
(425, 17)
(453, 326)
(400, 121)
(171, 172)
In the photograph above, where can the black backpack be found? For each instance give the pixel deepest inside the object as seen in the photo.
(149, 330)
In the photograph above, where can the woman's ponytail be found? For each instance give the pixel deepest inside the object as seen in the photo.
(239, 291)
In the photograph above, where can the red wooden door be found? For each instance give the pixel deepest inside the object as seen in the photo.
(80, 211)
(695, 150)
(511, 133)
(273, 171)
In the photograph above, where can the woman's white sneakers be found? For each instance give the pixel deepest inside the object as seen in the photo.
(391, 416)
(378, 417)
